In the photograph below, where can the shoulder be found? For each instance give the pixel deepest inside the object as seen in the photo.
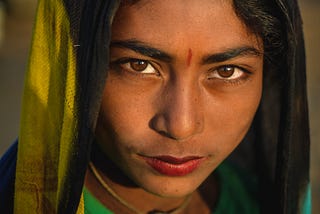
(7, 178)
(238, 190)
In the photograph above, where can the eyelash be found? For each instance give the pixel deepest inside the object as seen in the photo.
(243, 76)
(119, 63)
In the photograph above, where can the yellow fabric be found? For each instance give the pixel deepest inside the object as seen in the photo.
(81, 205)
(49, 119)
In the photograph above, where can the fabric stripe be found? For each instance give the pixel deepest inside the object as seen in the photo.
(49, 119)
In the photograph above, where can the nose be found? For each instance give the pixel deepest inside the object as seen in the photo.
(180, 115)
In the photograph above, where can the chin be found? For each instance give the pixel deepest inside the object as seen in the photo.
(170, 187)
(171, 192)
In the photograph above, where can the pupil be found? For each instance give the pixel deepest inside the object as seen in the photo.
(226, 72)
(139, 65)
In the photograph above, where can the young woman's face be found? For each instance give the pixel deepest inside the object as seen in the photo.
(184, 83)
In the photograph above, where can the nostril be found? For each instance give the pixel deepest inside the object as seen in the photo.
(176, 128)
(163, 133)
(171, 134)
(168, 135)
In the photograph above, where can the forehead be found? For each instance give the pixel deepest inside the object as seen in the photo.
(168, 23)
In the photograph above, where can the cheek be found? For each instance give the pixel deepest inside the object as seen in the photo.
(124, 113)
(230, 116)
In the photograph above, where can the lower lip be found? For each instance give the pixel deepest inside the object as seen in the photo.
(172, 169)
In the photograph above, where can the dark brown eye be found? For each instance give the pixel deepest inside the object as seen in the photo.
(139, 65)
(226, 71)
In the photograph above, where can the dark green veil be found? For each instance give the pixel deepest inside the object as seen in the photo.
(66, 75)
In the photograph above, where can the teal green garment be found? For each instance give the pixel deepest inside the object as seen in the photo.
(92, 205)
(238, 192)
(236, 195)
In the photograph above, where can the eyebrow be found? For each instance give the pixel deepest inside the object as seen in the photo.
(155, 53)
(245, 51)
(143, 49)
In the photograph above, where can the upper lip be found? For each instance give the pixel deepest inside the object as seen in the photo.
(175, 160)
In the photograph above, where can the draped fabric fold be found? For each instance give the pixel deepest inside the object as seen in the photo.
(60, 105)
(293, 159)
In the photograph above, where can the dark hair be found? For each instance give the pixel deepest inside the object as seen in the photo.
(263, 18)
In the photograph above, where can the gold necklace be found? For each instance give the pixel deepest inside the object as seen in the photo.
(126, 204)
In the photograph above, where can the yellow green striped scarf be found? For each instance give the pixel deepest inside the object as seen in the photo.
(55, 133)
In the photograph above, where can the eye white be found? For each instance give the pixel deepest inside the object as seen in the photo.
(149, 69)
(222, 73)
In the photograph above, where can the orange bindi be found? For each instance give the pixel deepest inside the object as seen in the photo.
(189, 57)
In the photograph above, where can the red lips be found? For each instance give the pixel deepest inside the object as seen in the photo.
(172, 166)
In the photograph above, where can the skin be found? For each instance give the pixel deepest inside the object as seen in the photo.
(184, 105)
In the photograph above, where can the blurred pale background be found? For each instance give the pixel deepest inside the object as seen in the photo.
(13, 58)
